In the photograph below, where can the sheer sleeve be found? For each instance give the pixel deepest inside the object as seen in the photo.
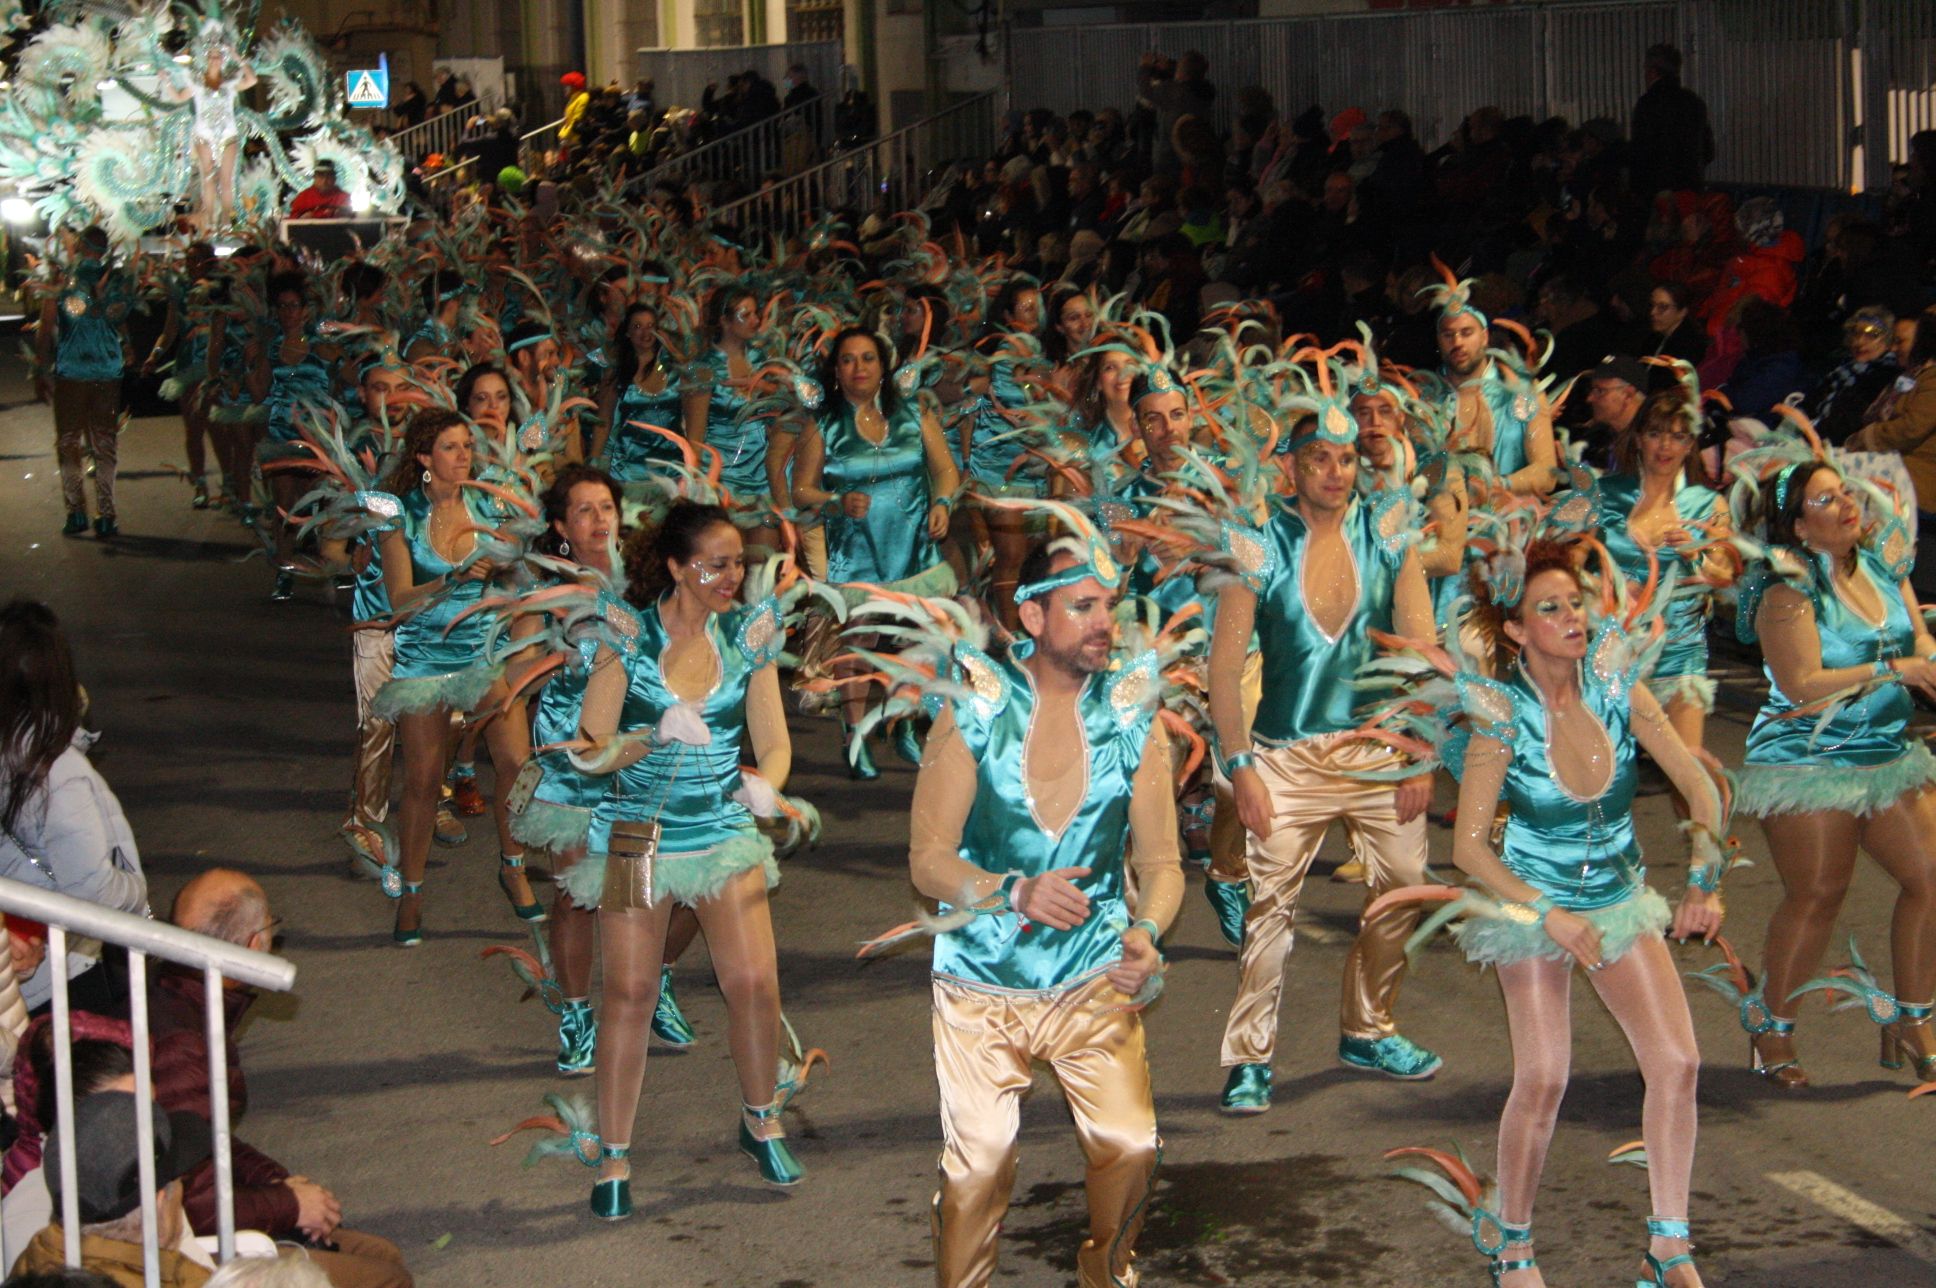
(1229, 646)
(1153, 831)
(1652, 732)
(944, 793)
(1486, 762)
(1793, 647)
(766, 725)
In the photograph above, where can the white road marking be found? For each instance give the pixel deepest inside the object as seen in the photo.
(1859, 1212)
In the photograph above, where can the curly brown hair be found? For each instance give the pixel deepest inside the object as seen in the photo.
(672, 540)
(1542, 555)
(418, 439)
(1664, 409)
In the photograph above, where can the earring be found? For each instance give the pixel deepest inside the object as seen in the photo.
(564, 549)
(426, 477)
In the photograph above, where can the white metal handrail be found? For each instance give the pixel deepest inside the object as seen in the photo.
(218, 961)
(757, 150)
(438, 133)
(890, 168)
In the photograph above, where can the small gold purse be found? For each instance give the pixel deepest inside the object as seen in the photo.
(631, 853)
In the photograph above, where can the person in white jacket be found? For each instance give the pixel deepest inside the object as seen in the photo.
(61, 827)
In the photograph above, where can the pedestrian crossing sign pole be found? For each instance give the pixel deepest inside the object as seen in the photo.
(370, 86)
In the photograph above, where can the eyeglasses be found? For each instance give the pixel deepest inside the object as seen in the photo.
(270, 928)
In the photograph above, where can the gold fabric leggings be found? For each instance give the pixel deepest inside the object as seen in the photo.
(984, 1045)
(1311, 788)
(373, 654)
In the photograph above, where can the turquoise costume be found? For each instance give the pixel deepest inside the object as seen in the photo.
(1682, 666)
(632, 454)
(1865, 757)
(890, 546)
(1512, 410)
(559, 816)
(1582, 854)
(741, 444)
(990, 454)
(707, 838)
(87, 313)
(1307, 676)
(433, 668)
(1002, 833)
(306, 381)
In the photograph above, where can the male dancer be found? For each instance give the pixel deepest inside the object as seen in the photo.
(1026, 841)
(1330, 569)
(1507, 418)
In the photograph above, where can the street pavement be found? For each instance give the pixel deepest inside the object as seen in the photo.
(227, 734)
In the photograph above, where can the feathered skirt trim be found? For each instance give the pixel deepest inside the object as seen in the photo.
(1495, 941)
(546, 825)
(1862, 790)
(1688, 687)
(682, 878)
(937, 582)
(416, 694)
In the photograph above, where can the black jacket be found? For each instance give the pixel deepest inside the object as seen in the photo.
(1672, 142)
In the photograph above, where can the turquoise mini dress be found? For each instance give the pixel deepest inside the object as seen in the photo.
(435, 668)
(632, 454)
(1865, 757)
(1681, 668)
(996, 443)
(741, 444)
(890, 546)
(559, 816)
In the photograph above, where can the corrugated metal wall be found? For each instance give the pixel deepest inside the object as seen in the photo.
(680, 76)
(1784, 80)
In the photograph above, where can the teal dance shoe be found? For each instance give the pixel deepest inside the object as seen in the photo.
(775, 1159)
(577, 1039)
(1248, 1090)
(1395, 1056)
(668, 1021)
(1230, 900)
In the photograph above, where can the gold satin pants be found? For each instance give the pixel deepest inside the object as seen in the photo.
(984, 1046)
(1311, 788)
(374, 654)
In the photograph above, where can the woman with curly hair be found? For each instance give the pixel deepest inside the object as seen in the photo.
(641, 389)
(1557, 739)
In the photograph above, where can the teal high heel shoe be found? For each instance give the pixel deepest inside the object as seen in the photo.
(412, 937)
(1510, 1236)
(533, 911)
(577, 1038)
(1663, 1228)
(1247, 1090)
(776, 1161)
(612, 1199)
(1230, 900)
(860, 759)
(907, 743)
(668, 1021)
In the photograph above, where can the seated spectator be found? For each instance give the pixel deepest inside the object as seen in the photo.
(108, 1184)
(1841, 402)
(1771, 362)
(1582, 332)
(229, 905)
(1766, 266)
(1904, 420)
(1706, 242)
(293, 1269)
(61, 828)
(322, 199)
(1671, 329)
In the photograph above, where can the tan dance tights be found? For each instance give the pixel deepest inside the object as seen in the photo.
(1643, 991)
(569, 929)
(1815, 854)
(739, 935)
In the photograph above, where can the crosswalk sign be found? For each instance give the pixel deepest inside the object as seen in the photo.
(369, 87)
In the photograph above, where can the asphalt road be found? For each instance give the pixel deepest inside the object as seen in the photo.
(227, 723)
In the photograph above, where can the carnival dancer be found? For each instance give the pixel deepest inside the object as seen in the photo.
(292, 374)
(1323, 573)
(1043, 953)
(1831, 765)
(876, 466)
(185, 344)
(997, 429)
(668, 713)
(641, 389)
(1556, 738)
(80, 353)
(1660, 507)
(717, 388)
(1494, 408)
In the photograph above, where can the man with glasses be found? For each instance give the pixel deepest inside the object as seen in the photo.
(228, 905)
(1614, 391)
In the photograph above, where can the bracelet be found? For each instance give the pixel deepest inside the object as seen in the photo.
(1149, 927)
(1241, 760)
(1706, 876)
(946, 503)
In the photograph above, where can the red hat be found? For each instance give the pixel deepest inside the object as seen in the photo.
(572, 80)
(1344, 123)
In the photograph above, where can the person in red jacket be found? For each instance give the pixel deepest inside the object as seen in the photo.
(322, 199)
(1767, 265)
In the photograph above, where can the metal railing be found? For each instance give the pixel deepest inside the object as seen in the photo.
(435, 134)
(893, 172)
(218, 961)
(788, 143)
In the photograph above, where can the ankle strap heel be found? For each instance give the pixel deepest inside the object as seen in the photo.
(612, 1198)
(1665, 1228)
(1896, 1051)
(1508, 1236)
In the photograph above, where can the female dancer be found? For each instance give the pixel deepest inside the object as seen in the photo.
(990, 443)
(1848, 621)
(1556, 738)
(290, 370)
(1100, 415)
(484, 395)
(878, 468)
(433, 572)
(641, 389)
(582, 516)
(1659, 511)
(698, 676)
(1072, 328)
(717, 388)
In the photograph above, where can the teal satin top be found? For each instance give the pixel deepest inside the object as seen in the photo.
(688, 789)
(991, 454)
(88, 313)
(306, 381)
(1307, 674)
(891, 543)
(423, 649)
(741, 444)
(1002, 833)
(631, 453)
(1511, 411)
(1873, 730)
(1684, 651)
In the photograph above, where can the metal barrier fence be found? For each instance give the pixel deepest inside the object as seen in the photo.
(679, 76)
(1793, 89)
(218, 961)
(894, 169)
(787, 144)
(438, 134)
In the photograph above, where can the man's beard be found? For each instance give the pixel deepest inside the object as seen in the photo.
(1076, 661)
